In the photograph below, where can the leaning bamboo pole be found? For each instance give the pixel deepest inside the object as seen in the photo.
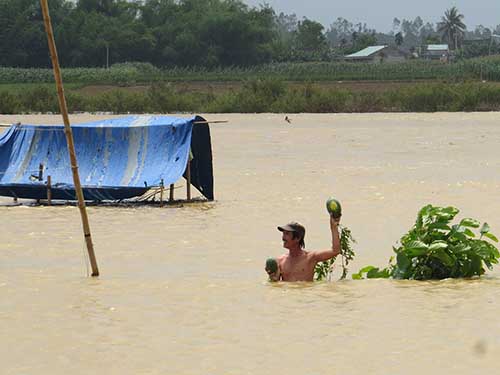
(69, 136)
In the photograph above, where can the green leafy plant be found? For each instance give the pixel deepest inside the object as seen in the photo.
(323, 270)
(436, 249)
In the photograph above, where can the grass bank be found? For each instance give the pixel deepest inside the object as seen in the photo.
(258, 96)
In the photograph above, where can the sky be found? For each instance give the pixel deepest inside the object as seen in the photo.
(379, 14)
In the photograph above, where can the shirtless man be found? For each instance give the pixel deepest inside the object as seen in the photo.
(298, 264)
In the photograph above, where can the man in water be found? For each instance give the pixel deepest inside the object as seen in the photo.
(298, 264)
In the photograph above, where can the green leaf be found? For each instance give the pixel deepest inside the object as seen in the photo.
(366, 269)
(436, 245)
(372, 274)
(451, 210)
(441, 226)
(422, 216)
(491, 236)
(476, 267)
(412, 253)
(415, 245)
(403, 261)
(471, 223)
(460, 248)
(359, 275)
(485, 251)
(465, 269)
(445, 214)
(488, 264)
(485, 228)
(443, 257)
(469, 233)
(378, 274)
(459, 236)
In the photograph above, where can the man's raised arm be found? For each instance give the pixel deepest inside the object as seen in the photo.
(323, 255)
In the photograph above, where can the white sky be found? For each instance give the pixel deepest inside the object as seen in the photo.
(379, 14)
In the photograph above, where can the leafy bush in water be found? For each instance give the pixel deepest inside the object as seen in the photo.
(435, 249)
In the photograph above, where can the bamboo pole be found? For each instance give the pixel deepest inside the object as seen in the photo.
(40, 177)
(49, 190)
(171, 196)
(211, 122)
(194, 122)
(188, 180)
(161, 192)
(69, 136)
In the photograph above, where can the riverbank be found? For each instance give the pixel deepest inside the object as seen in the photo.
(257, 96)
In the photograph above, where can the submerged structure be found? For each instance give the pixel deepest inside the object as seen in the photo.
(117, 158)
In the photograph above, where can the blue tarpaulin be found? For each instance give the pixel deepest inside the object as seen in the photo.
(117, 158)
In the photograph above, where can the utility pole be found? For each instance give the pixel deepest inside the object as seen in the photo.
(107, 55)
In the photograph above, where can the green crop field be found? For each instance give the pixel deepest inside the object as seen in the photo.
(137, 73)
(422, 86)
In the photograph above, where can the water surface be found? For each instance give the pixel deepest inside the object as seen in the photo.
(183, 290)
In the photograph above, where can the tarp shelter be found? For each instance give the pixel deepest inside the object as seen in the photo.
(117, 158)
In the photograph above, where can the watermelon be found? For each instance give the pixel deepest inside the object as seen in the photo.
(271, 265)
(334, 208)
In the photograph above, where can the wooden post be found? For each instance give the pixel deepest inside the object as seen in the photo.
(161, 193)
(188, 180)
(69, 136)
(49, 190)
(40, 172)
(171, 196)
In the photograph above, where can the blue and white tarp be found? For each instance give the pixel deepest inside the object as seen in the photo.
(117, 158)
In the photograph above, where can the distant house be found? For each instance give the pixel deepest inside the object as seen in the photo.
(436, 52)
(378, 54)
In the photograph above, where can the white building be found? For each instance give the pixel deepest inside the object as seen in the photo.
(378, 54)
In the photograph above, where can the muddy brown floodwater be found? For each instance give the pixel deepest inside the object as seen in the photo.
(183, 290)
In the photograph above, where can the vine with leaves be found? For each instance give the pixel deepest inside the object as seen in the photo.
(324, 270)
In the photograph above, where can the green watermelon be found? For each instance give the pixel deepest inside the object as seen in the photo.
(271, 265)
(334, 208)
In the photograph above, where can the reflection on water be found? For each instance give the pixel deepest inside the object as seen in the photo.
(183, 290)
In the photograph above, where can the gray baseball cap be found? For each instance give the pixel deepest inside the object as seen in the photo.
(294, 227)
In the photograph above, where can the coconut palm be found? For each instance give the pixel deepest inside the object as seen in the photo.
(451, 26)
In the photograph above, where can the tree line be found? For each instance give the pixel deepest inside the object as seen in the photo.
(208, 33)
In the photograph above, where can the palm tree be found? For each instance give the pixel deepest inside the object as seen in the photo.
(451, 26)
(398, 39)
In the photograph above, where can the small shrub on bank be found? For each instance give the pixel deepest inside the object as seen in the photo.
(40, 99)
(10, 103)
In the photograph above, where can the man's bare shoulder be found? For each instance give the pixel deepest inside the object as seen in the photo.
(304, 254)
(313, 254)
(282, 257)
